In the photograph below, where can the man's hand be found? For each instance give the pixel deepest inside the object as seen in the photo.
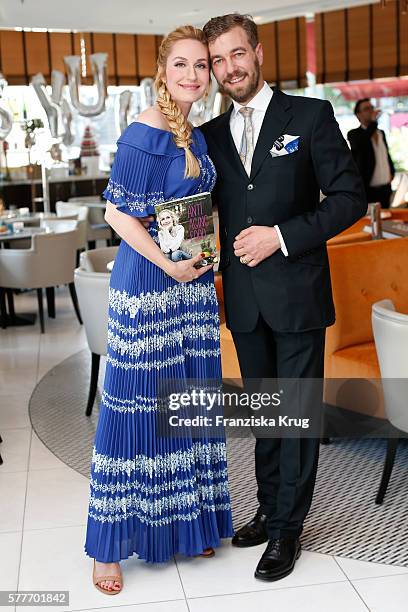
(256, 243)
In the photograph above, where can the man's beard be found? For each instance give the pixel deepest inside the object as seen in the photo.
(246, 92)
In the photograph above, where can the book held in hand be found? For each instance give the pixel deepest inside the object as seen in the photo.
(186, 228)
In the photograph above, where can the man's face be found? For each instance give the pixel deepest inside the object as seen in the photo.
(367, 113)
(236, 65)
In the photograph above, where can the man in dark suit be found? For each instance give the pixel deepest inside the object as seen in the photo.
(273, 154)
(370, 151)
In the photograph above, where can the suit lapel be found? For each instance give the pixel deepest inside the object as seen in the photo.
(225, 143)
(277, 116)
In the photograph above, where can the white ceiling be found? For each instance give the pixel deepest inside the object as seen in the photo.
(156, 16)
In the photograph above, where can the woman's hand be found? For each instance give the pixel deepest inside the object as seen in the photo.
(184, 271)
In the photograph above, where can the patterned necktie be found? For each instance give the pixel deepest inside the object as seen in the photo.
(246, 149)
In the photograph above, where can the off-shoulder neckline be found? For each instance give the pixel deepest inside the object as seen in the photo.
(156, 128)
(151, 139)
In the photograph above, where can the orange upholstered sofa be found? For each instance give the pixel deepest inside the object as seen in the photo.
(362, 273)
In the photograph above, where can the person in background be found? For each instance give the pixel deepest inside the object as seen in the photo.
(370, 151)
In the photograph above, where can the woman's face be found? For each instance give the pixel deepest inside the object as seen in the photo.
(187, 71)
(165, 220)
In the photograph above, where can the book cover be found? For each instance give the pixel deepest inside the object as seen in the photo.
(186, 228)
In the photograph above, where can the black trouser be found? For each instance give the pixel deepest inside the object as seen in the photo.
(381, 194)
(285, 467)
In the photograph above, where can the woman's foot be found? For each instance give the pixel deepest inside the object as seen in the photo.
(208, 552)
(105, 570)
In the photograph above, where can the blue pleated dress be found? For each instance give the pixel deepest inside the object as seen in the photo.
(151, 495)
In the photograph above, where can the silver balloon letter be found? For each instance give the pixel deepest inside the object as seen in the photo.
(148, 96)
(98, 64)
(50, 106)
(6, 118)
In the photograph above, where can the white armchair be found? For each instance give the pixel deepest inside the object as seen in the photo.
(98, 229)
(390, 329)
(97, 259)
(49, 262)
(92, 286)
(66, 209)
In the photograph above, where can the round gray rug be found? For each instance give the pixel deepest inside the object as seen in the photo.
(343, 520)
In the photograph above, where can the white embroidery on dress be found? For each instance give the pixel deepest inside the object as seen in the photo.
(113, 518)
(149, 303)
(153, 343)
(205, 453)
(208, 175)
(150, 326)
(158, 489)
(180, 501)
(131, 407)
(202, 352)
(155, 364)
(135, 201)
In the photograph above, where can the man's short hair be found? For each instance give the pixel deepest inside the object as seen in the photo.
(359, 103)
(217, 26)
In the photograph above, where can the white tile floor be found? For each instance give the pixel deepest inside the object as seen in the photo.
(43, 505)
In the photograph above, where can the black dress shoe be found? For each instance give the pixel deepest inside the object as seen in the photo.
(253, 533)
(278, 559)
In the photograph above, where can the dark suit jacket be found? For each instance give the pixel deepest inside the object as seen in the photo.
(292, 293)
(363, 152)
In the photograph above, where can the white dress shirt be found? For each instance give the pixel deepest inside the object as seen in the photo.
(382, 173)
(259, 103)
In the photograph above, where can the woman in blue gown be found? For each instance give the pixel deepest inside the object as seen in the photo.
(151, 495)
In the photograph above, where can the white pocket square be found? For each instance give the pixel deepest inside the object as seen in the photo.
(284, 145)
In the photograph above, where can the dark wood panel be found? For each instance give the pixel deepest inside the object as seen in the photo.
(320, 34)
(103, 43)
(20, 195)
(146, 55)
(268, 40)
(158, 43)
(302, 42)
(60, 46)
(126, 59)
(12, 56)
(362, 42)
(335, 48)
(403, 44)
(359, 36)
(385, 40)
(289, 51)
(38, 53)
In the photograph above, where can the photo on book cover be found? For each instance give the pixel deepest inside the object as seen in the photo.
(186, 228)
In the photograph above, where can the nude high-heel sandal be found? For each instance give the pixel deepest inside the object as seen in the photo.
(97, 579)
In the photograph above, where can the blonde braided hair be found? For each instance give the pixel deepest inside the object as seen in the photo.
(179, 126)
